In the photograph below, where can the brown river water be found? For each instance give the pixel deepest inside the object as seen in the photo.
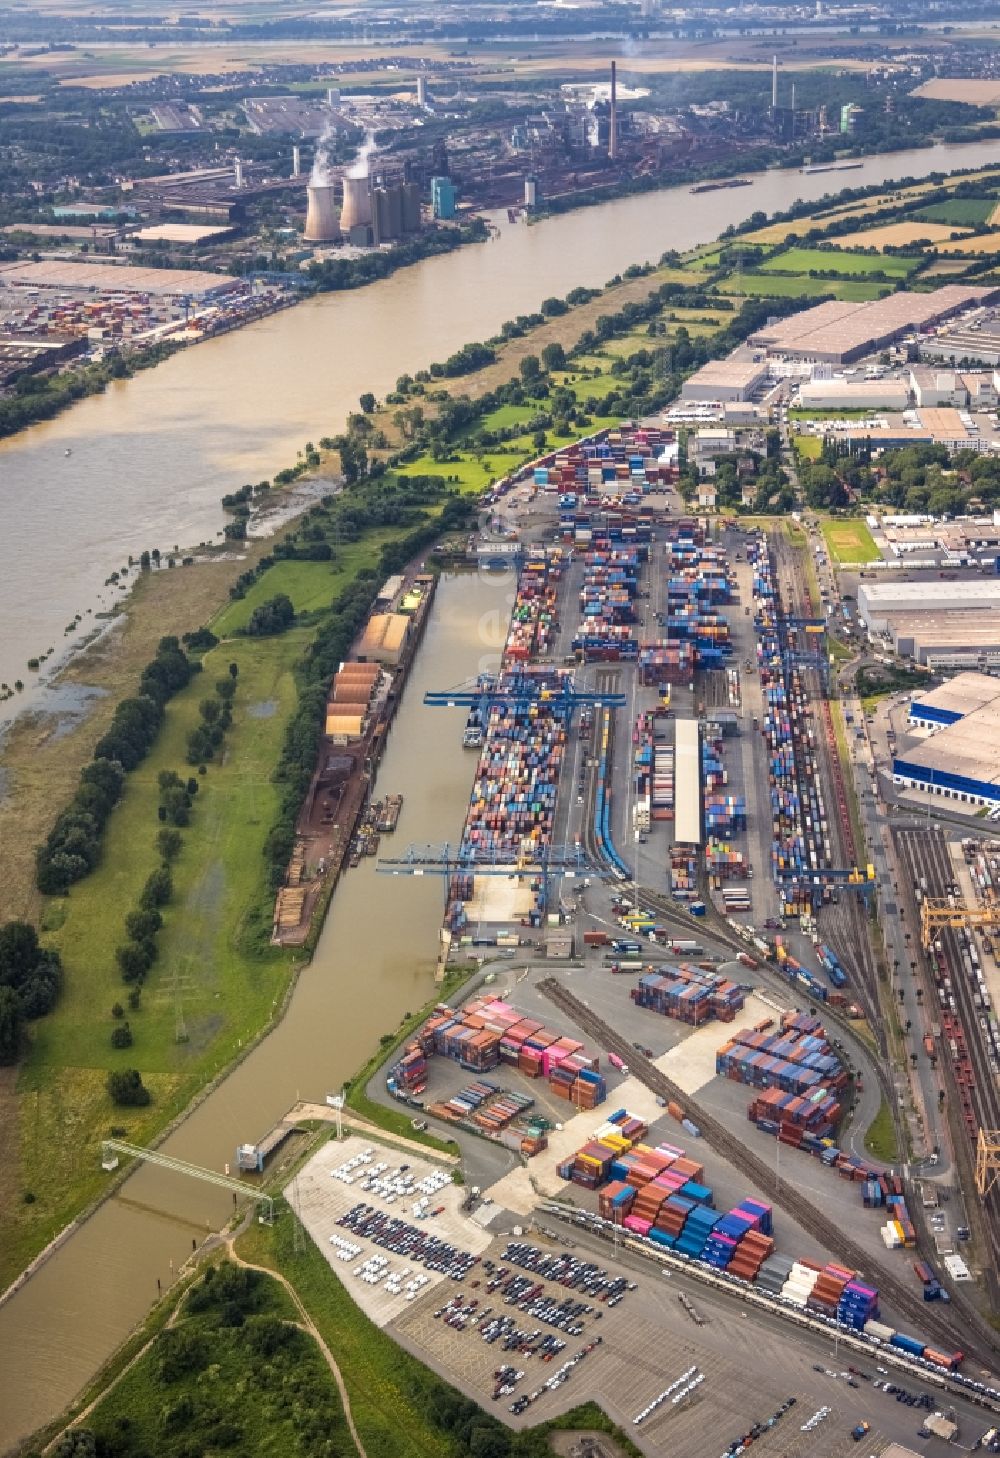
(149, 461)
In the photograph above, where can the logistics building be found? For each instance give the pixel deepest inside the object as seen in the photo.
(947, 640)
(960, 758)
(877, 600)
(687, 752)
(839, 332)
(725, 379)
(385, 637)
(854, 395)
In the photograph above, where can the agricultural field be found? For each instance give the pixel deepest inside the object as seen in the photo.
(961, 212)
(775, 286)
(945, 268)
(898, 235)
(956, 88)
(853, 265)
(975, 243)
(850, 541)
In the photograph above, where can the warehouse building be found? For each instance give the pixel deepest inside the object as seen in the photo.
(111, 278)
(384, 638)
(960, 759)
(839, 332)
(687, 778)
(947, 640)
(963, 390)
(854, 395)
(978, 344)
(725, 380)
(878, 600)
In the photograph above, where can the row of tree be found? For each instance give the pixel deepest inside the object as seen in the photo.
(73, 846)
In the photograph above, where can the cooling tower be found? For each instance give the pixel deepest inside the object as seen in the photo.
(357, 209)
(321, 215)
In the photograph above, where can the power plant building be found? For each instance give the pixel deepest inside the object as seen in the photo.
(321, 213)
(443, 198)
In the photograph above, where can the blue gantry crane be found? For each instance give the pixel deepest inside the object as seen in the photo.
(521, 688)
(449, 861)
(853, 879)
(803, 642)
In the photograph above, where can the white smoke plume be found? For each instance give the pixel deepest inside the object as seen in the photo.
(359, 167)
(321, 176)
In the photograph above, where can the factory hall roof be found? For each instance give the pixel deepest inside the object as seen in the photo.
(110, 278)
(969, 748)
(964, 694)
(844, 330)
(898, 596)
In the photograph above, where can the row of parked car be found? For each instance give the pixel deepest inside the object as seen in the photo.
(568, 1270)
(440, 1257)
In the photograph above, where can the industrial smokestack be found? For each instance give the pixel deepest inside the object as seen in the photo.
(357, 209)
(613, 125)
(774, 84)
(238, 172)
(321, 213)
(296, 162)
(793, 96)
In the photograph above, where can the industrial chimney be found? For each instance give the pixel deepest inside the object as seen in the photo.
(238, 173)
(774, 84)
(357, 209)
(613, 123)
(296, 162)
(321, 214)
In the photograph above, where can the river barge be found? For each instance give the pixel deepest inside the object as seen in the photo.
(717, 186)
(833, 167)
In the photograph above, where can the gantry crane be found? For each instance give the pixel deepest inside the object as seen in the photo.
(987, 1160)
(852, 878)
(521, 688)
(937, 913)
(450, 861)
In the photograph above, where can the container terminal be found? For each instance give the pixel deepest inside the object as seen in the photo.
(675, 1045)
(661, 1078)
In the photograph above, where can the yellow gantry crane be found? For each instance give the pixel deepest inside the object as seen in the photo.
(934, 914)
(987, 1160)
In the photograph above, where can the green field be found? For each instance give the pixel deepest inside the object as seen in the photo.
(850, 541)
(961, 212)
(310, 585)
(775, 286)
(810, 447)
(207, 971)
(852, 265)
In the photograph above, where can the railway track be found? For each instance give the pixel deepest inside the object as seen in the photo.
(905, 1301)
(926, 858)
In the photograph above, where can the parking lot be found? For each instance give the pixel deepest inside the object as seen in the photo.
(748, 1367)
(341, 1176)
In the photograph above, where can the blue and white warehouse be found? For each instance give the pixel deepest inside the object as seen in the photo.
(959, 754)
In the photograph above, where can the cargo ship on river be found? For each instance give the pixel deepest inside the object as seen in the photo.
(726, 182)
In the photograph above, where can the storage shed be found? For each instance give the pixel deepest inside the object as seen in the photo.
(385, 637)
